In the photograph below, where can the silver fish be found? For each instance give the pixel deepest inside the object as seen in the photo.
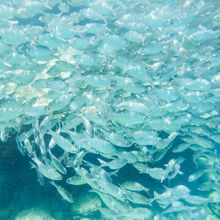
(76, 180)
(114, 164)
(63, 192)
(46, 170)
(133, 186)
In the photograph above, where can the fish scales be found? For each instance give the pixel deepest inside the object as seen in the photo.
(117, 95)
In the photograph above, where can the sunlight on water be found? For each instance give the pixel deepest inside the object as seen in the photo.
(109, 109)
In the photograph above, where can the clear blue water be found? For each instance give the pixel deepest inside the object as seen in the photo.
(113, 94)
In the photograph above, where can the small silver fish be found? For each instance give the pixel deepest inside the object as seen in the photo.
(76, 180)
(114, 164)
(196, 175)
(64, 193)
(134, 186)
(62, 142)
(46, 170)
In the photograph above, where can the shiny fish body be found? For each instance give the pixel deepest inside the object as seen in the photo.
(64, 193)
(63, 143)
(137, 198)
(134, 186)
(116, 95)
(114, 164)
(47, 171)
(194, 176)
(116, 139)
(76, 180)
(128, 118)
(57, 164)
(99, 145)
(156, 173)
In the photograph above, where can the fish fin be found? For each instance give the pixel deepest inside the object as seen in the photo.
(166, 188)
(180, 172)
(115, 173)
(121, 186)
(63, 157)
(102, 162)
(40, 178)
(155, 194)
(93, 191)
(147, 191)
(88, 163)
(53, 183)
(163, 178)
(155, 197)
(33, 165)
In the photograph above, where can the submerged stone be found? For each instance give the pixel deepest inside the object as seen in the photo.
(34, 214)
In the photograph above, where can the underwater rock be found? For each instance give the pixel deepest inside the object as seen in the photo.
(86, 204)
(34, 214)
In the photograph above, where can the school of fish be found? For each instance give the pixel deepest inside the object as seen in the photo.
(123, 96)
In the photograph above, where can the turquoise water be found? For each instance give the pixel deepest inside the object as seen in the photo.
(109, 109)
